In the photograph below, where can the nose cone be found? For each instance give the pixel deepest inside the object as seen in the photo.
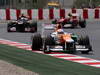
(70, 40)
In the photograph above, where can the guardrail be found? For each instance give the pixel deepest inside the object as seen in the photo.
(9, 14)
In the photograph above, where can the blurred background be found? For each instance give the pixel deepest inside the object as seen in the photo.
(30, 4)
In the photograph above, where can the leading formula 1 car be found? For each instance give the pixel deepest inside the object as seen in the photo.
(72, 21)
(22, 25)
(68, 42)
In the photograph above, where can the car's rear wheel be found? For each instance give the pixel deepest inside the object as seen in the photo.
(82, 23)
(8, 29)
(36, 41)
(54, 21)
(74, 24)
(84, 40)
(9, 26)
(33, 27)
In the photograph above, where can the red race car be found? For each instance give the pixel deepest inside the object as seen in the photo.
(72, 21)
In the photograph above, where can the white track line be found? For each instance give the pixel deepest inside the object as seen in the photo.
(72, 57)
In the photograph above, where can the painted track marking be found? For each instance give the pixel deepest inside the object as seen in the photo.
(70, 57)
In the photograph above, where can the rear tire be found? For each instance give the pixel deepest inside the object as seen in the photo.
(74, 24)
(36, 42)
(54, 21)
(8, 29)
(9, 26)
(33, 27)
(84, 40)
(82, 24)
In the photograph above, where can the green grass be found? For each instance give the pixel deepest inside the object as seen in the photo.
(43, 64)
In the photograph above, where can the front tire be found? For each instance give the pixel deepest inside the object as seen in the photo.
(70, 48)
(48, 41)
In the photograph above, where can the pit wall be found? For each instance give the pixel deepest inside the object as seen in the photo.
(42, 14)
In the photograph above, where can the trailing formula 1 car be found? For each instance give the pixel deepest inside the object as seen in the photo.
(22, 25)
(67, 42)
(71, 22)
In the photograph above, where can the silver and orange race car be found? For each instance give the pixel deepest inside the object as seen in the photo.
(63, 41)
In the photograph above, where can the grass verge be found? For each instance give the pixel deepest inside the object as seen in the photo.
(43, 64)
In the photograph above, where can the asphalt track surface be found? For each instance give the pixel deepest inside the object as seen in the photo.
(92, 30)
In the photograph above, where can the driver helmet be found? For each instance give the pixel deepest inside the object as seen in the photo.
(69, 14)
(22, 15)
(59, 26)
(60, 31)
